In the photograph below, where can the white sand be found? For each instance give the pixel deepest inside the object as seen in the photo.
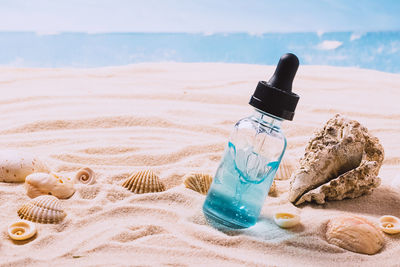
(176, 118)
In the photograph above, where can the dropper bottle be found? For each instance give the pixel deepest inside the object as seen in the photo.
(254, 152)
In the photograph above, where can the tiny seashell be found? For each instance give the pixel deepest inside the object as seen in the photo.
(285, 170)
(42, 209)
(354, 233)
(144, 182)
(286, 219)
(21, 230)
(39, 183)
(85, 176)
(198, 182)
(15, 166)
(389, 224)
(272, 190)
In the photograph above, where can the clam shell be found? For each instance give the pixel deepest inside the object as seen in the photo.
(85, 176)
(144, 182)
(39, 183)
(21, 230)
(15, 166)
(198, 182)
(285, 170)
(42, 209)
(286, 219)
(389, 224)
(356, 234)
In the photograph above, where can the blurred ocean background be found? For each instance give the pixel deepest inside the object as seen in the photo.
(371, 50)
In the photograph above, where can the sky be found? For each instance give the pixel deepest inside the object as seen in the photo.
(208, 16)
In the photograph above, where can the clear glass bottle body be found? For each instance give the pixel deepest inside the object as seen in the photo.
(246, 171)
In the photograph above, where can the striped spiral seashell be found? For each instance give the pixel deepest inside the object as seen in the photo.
(42, 209)
(144, 182)
(21, 230)
(85, 176)
(198, 182)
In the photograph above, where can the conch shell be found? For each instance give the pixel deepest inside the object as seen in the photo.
(356, 234)
(21, 230)
(389, 224)
(39, 183)
(85, 176)
(15, 166)
(144, 182)
(342, 160)
(42, 209)
(198, 182)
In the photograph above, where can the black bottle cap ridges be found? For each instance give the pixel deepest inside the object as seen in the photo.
(275, 97)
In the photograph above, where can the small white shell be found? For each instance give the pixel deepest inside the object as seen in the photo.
(286, 219)
(39, 183)
(354, 233)
(15, 166)
(389, 224)
(85, 176)
(285, 170)
(42, 209)
(198, 182)
(21, 230)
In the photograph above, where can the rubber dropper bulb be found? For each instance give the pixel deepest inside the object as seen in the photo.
(285, 72)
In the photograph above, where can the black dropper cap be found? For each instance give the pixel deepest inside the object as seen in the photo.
(275, 96)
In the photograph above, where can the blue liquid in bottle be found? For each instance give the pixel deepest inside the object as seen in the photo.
(254, 152)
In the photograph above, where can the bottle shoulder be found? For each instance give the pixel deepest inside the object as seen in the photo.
(251, 123)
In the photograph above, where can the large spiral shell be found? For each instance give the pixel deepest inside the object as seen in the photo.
(42, 209)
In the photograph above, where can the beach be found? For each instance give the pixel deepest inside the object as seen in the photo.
(176, 118)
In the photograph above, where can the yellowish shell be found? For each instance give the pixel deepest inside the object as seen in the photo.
(39, 183)
(198, 182)
(389, 224)
(272, 190)
(354, 233)
(85, 176)
(21, 230)
(286, 220)
(144, 182)
(42, 209)
(285, 170)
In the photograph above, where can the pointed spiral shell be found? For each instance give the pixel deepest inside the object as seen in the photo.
(198, 182)
(21, 230)
(42, 209)
(85, 176)
(144, 182)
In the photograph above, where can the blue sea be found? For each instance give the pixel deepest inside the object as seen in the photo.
(371, 50)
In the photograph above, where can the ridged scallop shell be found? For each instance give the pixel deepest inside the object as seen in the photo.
(85, 176)
(389, 224)
(285, 170)
(198, 182)
(144, 182)
(286, 219)
(21, 230)
(42, 209)
(37, 184)
(354, 233)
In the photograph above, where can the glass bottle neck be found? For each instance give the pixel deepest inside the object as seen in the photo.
(268, 119)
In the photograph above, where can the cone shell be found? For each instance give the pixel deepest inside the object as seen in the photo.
(285, 170)
(21, 230)
(144, 182)
(389, 224)
(42, 209)
(85, 176)
(354, 233)
(198, 182)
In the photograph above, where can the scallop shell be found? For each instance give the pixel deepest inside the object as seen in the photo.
(285, 170)
(144, 182)
(42, 209)
(272, 190)
(21, 230)
(286, 219)
(15, 166)
(198, 182)
(354, 233)
(389, 224)
(39, 183)
(85, 176)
